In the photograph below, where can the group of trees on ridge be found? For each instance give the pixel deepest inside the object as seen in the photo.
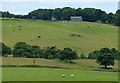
(88, 14)
(104, 56)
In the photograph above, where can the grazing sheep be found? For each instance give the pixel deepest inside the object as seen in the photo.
(71, 75)
(63, 75)
(88, 25)
(39, 36)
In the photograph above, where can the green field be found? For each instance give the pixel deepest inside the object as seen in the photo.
(58, 34)
(83, 64)
(47, 74)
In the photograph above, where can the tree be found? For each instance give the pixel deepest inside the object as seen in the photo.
(21, 49)
(78, 12)
(93, 55)
(109, 18)
(89, 14)
(116, 18)
(50, 52)
(105, 58)
(67, 54)
(115, 53)
(67, 12)
(35, 52)
(5, 50)
(103, 17)
(57, 13)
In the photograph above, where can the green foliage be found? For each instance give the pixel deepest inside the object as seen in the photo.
(116, 18)
(50, 52)
(21, 49)
(103, 17)
(35, 52)
(6, 50)
(89, 14)
(57, 13)
(105, 57)
(93, 55)
(67, 54)
(109, 18)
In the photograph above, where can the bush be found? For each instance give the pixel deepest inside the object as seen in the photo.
(93, 55)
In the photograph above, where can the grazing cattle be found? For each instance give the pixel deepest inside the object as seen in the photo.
(13, 30)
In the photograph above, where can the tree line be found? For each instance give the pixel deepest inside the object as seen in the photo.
(21, 49)
(104, 56)
(88, 14)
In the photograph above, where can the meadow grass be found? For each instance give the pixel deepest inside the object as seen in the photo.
(83, 64)
(50, 74)
(58, 34)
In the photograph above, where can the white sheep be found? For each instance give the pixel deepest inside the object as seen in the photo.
(71, 75)
(63, 75)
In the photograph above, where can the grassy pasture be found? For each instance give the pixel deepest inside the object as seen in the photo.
(58, 33)
(47, 74)
(79, 64)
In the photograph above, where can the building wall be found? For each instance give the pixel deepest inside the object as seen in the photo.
(76, 18)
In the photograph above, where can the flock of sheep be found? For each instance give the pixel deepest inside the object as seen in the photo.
(70, 75)
(39, 36)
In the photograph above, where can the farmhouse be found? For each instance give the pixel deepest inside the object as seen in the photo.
(76, 18)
